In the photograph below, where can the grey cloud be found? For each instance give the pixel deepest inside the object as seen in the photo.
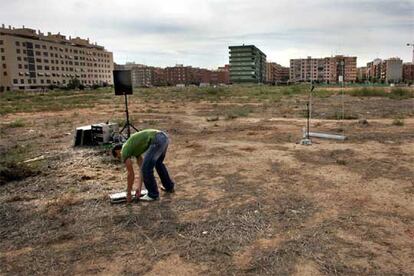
(198, 32)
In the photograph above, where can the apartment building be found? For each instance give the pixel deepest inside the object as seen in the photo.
(392, 70)
(32, 60)
(221, 75)
(179, 74)
(374, 70)
(408, 72)
(146, 76)
(247, 64)
(386, 71)
(276, 73)
(361, 74)
(329, 69)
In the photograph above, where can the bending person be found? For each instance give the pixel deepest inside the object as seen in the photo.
(154, 143)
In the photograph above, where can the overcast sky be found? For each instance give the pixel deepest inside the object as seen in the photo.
(198, 32)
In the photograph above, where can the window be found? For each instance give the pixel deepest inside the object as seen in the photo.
(4, 65)
(42, 81)
(46, 67)
(38, 53)
(39, 67)
(45, 54)
(37, 46)
(17, 51)
(19, 58)
(43, 46)
(20, 66)
(3, 58)
(26, 66)
(48, 81)
(17, 43)
(38, 60)
(29, 81)
(1, 42)
(46, 61)
(22, 81)
(24, 52)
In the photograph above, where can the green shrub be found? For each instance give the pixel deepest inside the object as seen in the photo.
(399, 121)
(401, 94)
(17, 123)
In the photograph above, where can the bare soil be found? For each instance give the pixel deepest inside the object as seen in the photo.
(249, 199)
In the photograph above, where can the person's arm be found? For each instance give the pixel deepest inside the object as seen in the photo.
(139, 162)
(130, 183)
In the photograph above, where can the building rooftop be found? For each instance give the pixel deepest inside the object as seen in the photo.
(57, 38)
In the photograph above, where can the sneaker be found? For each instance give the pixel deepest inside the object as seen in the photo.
(147, 198)
(167, 191)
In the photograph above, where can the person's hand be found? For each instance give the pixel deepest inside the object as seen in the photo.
(129, 198)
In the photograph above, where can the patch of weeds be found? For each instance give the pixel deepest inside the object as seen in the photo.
(12, 167)
(395, 93)
(401, 94)
(339, 116)
(368, 92)
(17, 123)
(399, 121)
(61, 121)
(239, 111)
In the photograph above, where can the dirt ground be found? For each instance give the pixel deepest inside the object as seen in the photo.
(249, 199)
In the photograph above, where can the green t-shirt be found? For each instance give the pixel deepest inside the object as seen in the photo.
(138, 143)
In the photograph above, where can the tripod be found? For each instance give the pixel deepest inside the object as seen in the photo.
(128, 124)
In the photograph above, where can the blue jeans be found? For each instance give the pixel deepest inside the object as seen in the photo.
(154, 157)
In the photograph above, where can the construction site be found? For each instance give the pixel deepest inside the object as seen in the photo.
(249, 200)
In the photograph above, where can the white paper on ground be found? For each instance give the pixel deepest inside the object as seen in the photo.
(121, 196)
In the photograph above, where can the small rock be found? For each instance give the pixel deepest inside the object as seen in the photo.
(363, 122)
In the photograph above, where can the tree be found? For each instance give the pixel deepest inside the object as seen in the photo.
(74, 83)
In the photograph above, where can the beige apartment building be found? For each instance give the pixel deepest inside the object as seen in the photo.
(328, 69)
(143, 75)
(276, 73)
(32, 60)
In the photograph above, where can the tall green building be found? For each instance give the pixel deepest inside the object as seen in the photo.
(247, 64)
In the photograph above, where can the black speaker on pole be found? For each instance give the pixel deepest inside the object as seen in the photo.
(122, 82)
(123, 87)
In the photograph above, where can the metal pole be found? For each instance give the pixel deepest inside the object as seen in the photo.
(307, 123)
(127, 115)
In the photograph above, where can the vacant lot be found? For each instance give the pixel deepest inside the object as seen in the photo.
(250, 200)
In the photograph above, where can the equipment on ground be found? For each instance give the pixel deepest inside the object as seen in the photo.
(96, 134)
(103, 133)
(122, 196)
(83, 136)
(323, 135)
(306, 140)
(123, 86)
